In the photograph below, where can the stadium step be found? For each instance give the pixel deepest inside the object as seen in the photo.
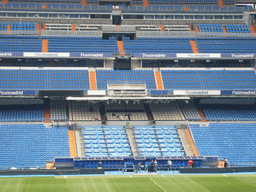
(201, 114)
(43, 6)
(192, 143)
(73, 27)
(252, 29)
(221, 4)
(8, 29)
(92, 80)
(49, 165)
(47, 114)
(132, 141)
(120, 45)
(83, 2)
(194, 46)
(145, 3)
(45, 45)
(158, 79)
(44, 27)
(224, 29)
(4, 2)
(72, 143)
(185, 142)
(79, 143)
(162, 27)
(38, 27)
(197, 29)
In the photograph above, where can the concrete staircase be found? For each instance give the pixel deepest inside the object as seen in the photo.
(79, 143)
(131, 137)
(184, 140)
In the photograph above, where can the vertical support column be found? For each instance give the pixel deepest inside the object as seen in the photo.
(45, 45)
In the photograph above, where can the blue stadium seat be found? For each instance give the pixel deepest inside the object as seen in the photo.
(31, 145)
(234, 141)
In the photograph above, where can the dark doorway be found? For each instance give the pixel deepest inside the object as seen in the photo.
(122, 64)
(116, 20)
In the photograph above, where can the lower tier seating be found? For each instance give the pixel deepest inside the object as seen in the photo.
(233, 141)
(106, 141)
(158, 141)
(31, 145)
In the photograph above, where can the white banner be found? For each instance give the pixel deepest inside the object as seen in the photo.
(96, 92)
(196, 92)
(198, 55)
(39, 54)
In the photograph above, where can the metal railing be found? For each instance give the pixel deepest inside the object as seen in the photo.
(20, 32)
(191, 34)
(113, 28)
(242, 164)
(125, 29)
(71, 33)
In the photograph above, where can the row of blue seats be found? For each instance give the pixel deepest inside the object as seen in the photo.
(104, 146)
(218, 8)
(42, 79)
(238, 28)
(172, 79)
(10, 113)
(234, 141)
(209, 79)
(229, 114)
(183, 1)
(31, 145)
(3, 26)
(23, 25)
(58, 1)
